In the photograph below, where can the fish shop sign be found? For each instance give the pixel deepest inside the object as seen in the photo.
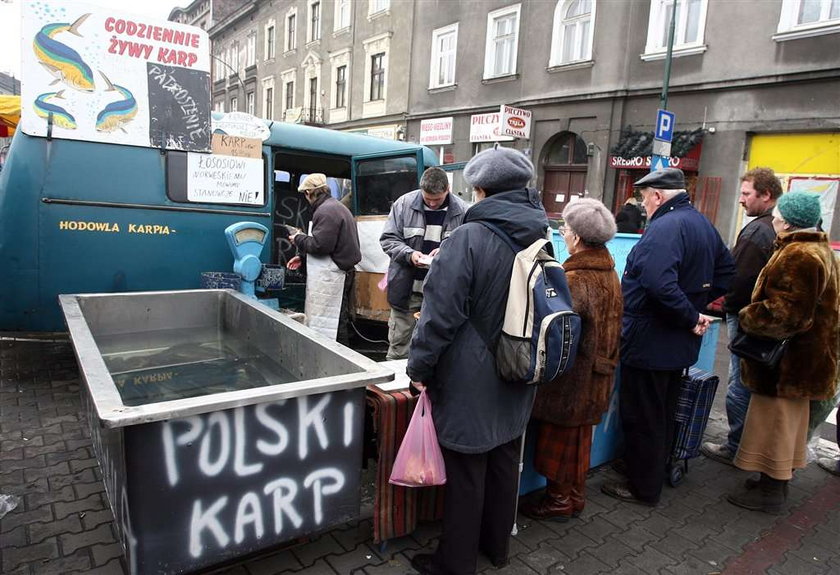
(215, 486)
(92, 73)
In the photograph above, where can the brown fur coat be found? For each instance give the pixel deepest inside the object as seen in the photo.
(582, 395)
(797, 296)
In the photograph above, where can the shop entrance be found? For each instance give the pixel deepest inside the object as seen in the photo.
(565, 165)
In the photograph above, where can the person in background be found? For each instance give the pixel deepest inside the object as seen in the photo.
(760, 189)
(417, 224)
(629, 218)
(332, 250)
(796, 297)
(479, 418)
(678, 266)
(568, 408)
(831, 464)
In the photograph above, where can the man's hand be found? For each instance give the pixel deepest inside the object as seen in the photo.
(418, 385)
(415, 258)
(294, 263)
(703, 323)
(434, 252)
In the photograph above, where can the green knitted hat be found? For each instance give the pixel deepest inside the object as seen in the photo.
(800, 209)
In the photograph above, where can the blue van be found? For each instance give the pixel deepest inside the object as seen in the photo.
(84, 217)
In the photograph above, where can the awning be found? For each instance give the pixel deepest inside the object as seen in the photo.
(9, 114)
(634, 149)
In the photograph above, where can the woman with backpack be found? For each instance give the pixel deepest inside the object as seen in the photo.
(479, 418)
(568, 408)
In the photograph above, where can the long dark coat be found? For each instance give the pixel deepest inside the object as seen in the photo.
(581, 396)
(464, 300)
(797, 296)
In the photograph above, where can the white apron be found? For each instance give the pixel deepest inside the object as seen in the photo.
(324, 290)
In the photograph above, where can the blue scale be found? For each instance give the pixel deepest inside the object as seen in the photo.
(246, 241)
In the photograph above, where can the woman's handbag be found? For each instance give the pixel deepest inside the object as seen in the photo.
(419, 461)
(761, 350)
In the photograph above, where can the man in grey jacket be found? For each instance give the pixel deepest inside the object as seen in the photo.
(419, 221)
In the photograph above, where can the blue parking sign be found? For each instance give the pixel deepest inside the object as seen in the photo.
(665, 121)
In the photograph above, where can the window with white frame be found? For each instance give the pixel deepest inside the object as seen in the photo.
(291, 30)
(234, 58)
(805, 18)
(269, 40)
(571, 40)
(341, 87)
(250, 103)
(689, 30)
(251, 49)
(377, 77)
(376, 6)
(342, 15)
(218, 66)
(234, 104)
(444, 48)
(289, 95)
(268, 98)
(314, 32)
(502, 42)
(374, 102)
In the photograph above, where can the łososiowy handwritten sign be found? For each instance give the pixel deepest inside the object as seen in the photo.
(97, 74)
(219, 179)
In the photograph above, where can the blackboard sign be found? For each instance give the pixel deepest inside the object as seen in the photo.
(213, 487)
(179, 108)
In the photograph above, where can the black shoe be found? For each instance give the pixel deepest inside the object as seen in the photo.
(620, 467)
(424, 563)
(621, 490)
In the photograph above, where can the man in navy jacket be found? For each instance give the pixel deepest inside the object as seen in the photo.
(673, 272)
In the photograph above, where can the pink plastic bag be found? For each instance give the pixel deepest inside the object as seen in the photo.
(419, 462)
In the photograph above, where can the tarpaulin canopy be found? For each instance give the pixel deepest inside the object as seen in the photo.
(9, 114)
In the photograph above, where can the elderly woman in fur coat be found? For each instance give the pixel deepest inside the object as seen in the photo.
(569, 408)
(796, 296)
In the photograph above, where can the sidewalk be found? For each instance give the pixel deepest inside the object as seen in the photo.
(64, 525)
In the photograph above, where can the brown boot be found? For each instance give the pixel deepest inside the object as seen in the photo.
(768, 496)
(578, 500)
(555, 505)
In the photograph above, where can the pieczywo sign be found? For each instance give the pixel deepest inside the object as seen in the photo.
(485, 128)
(514, 122)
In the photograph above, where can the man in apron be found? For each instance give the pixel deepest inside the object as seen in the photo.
(332, 250)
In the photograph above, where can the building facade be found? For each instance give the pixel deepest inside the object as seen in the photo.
(743, 74)
(341, 64)
(751, 83)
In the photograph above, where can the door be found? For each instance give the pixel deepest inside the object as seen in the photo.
(378, 180)
(565, 165)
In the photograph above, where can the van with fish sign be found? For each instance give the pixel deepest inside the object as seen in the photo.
(87, 217)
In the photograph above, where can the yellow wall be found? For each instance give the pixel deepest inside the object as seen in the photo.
(797, 153)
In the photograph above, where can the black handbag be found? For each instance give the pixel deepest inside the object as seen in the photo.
(761, 350)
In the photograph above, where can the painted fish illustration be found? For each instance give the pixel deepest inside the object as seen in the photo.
(61, 60)
(61, 118)
(116, 114)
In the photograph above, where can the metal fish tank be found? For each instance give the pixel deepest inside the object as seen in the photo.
(221, 427)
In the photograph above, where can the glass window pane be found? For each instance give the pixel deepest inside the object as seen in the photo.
(580, 151)
(835, 9)
(559, 152)
(693, 22)
(585, 48)
(568, 43)
(380, 182)
(809, 11)
(666, 24)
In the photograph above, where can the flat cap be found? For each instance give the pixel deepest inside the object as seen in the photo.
(499, 169)
(313, 182)
(667, 179)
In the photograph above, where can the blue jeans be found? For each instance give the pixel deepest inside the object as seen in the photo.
(737, 396)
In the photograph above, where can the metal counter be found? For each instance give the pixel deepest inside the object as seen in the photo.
(221, 427)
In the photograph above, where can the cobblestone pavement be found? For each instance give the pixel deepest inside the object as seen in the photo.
(63, 524)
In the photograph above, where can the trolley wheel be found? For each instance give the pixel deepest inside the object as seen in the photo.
(675, 474)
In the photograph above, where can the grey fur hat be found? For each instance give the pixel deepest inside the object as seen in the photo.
(499, 169)
(591, 220)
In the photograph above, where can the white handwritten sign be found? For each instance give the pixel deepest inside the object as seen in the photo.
(224, 179)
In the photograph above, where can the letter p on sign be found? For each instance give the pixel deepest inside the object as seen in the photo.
(664, 125)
